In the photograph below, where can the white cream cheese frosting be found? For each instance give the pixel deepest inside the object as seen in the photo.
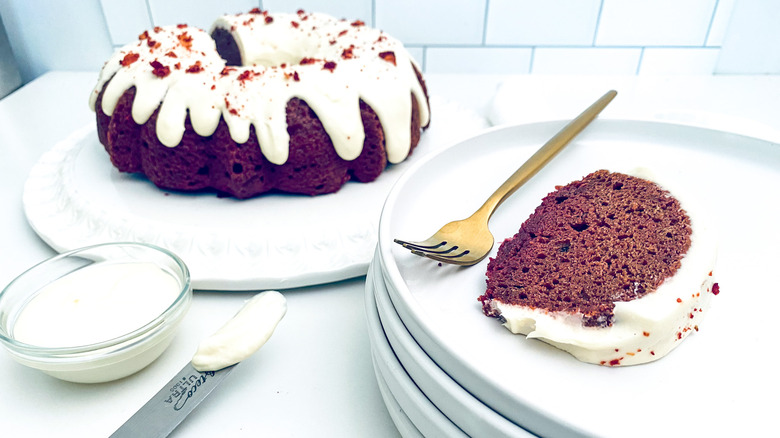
(330, 64)
(243, 334)
(642, 330)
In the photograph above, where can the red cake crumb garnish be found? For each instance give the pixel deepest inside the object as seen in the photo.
(226, 71)
(181, 26)
(715, 289)
(195, 68)
(229, 108)
(329, 65)
(294, 24)
(269, 19)
(171, 54)
(646, 334)
(177, 66)
(185, 40)
(679, 300)
(245, 75)
(343, 32)
(129, 59)
(160, 70)
(357, 23)
(388, 56)
(347, 53)
(144, 35)
(306, 61)
(255, 11)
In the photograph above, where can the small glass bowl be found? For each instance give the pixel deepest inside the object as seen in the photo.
(102, 361)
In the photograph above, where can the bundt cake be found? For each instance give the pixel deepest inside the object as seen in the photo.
(297, 103)
(610, 268)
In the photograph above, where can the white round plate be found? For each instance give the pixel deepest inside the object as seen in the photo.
(397, 414)
(74, 197)
(423, 414)
(717, 382)
(468, 413)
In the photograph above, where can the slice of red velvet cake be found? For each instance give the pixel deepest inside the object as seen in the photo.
(610, 268)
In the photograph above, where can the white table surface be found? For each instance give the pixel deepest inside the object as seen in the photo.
(314, 377)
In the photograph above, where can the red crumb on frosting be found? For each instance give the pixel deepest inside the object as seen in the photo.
(388, 56)
(347, 53)
(195, 68)
(358, 23)
(159, 70)
(715, 289)
(245, 75)
(129, 59)
(185, 40)
(329, 65)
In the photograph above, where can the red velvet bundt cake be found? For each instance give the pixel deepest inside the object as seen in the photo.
(610, 268)
(297, 103)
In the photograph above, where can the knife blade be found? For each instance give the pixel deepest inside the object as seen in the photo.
(171, 405)
(215, 359)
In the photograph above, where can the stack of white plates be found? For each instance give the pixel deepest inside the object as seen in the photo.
(445, 369)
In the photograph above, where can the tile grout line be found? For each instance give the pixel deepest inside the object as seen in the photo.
(105, 23)
(149, 11)
(598, 23)
(712, 20)
(485, 22)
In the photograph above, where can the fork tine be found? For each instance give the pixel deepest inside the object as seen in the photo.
(419, 248)
(452, 259)
(419, 245)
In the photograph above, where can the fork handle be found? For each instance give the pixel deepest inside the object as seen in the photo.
(546, 153)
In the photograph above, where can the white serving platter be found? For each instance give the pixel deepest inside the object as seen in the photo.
(74, 197)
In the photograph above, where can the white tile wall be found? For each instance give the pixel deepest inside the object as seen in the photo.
(445, 36)
(542, 22)
(655, 22)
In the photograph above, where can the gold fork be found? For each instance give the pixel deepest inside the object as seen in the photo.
(468, 241)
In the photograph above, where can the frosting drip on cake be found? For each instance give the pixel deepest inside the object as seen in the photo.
(330, 64)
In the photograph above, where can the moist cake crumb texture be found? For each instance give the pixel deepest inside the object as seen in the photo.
(605, 238)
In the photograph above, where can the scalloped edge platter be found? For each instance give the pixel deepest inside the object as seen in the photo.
(74, 197)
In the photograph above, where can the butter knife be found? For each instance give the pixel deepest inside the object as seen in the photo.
(214, 360)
